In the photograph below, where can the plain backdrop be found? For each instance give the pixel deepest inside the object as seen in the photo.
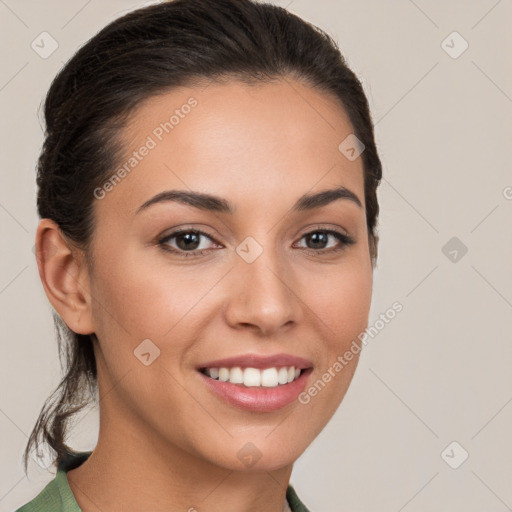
(426, 422)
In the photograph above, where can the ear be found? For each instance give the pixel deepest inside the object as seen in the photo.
(64, 275)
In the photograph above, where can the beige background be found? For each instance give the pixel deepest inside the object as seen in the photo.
(441, 370)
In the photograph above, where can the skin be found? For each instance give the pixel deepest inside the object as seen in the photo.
(261, 147)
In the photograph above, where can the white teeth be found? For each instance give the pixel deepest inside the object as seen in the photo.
(223, 374)
(254, 377)
(282, 375)
(236, 376)
(269, 378)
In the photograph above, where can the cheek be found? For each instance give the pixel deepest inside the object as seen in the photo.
(141, 299)
(137, 301)
(341, 298)
(341, 301)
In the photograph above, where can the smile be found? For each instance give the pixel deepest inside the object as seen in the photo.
(256, 382)
(254, 377)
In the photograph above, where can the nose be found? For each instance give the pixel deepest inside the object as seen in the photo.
(262, 296)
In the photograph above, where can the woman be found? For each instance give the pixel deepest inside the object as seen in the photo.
(207, 195)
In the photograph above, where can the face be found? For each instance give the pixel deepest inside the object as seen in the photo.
(254, 274)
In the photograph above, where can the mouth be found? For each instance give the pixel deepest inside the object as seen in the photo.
(255, 377)
(256, 383)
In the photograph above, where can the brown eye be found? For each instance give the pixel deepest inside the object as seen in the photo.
(317, 240)
(187, 242)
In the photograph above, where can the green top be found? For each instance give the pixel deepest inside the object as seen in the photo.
(58, 497)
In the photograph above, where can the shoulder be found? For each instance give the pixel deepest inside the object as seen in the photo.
(57, 495)
(48, 499)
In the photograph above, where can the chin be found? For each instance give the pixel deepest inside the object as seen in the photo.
(261, 452)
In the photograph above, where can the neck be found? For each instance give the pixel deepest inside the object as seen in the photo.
(132, 469)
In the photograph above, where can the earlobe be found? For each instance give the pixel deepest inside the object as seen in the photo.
(64, 276)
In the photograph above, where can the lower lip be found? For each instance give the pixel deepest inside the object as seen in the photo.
(260, 399)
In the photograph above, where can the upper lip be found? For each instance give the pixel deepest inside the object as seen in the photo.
(259, 361)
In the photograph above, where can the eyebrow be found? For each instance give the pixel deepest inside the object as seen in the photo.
(213, 203)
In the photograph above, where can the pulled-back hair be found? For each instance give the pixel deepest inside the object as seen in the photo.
(147, 52)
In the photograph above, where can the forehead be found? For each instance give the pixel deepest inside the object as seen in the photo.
(265, 142)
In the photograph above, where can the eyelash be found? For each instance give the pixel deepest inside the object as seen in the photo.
(345, 240)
